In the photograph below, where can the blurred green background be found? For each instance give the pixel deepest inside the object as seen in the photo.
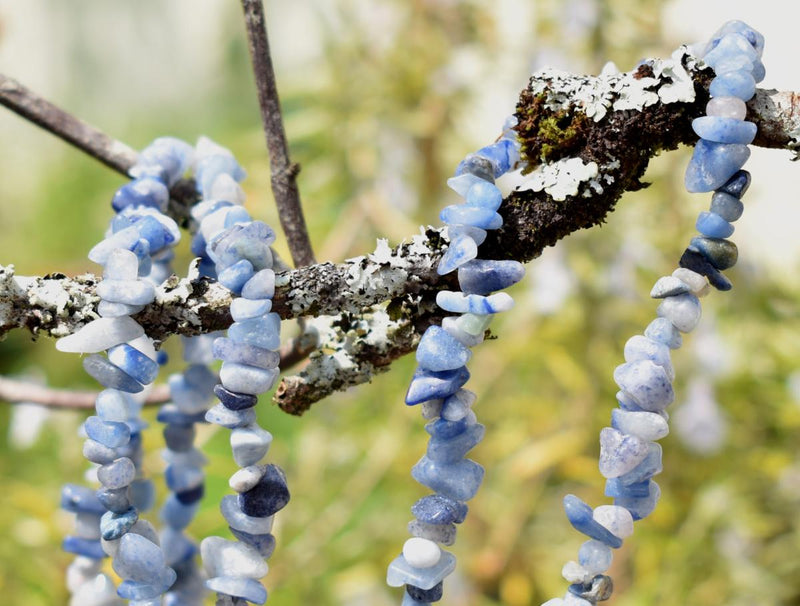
(382, 99)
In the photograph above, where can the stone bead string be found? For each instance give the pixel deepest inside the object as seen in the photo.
(629, 453)
(438, 381)
(134, 255)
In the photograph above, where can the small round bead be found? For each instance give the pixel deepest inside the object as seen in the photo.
(421, 553)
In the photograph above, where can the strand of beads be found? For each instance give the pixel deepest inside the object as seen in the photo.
(442, 355)
(138, 232)
(629, 453)
(240, 251)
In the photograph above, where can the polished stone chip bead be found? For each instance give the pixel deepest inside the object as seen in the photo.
(501, 154)
(664, 331)
(242, 378)
(648, 426)
(430, 385)
(89, 548)
(474, 304)
(108, 375)
(248, 241)
(452, 450)
(114, 499)
(668, 286)
(712, 164)
(580, 516)
(109, 433)
(595, 556)
(121, 264)
(409, 601)
(737, 185)
(444, 430)
(482, 277)
(617, 520)
(438, 351)
(615, 488)
(87, 525)
(439, 509)
(649, 467)
(176, 514)
(179, 438)
(98, 335)
(260, 286)
(134, 362)
(476, 233)
(457, 406)
(80, 499)
(236, 518)
(485, 195)
(269, 496)
(107, 309)
(263, 543)
(117, 474)
(755, 39)
(598, 589)
(246, 478)
(189, 457)
(620, 453)
(244, 309)
(698, 263)
(698, 284)
(400, 572)
(461, 249)
(126, 291)
(180, 478)
(247, 589)
(233, 400)
(240, 353)
(222, 558)
(262, 332)
(640, 506)
(191, 495)
(575, 573)
(640, 347)
(434, 594)
(736, 83)
(169, 414)
(646, 382)
(191, 389)
(134, 590)
(236, 276)
(114, 525)
(727, 45)
(141, 192)
(249, 444)
(724, 130)
(441, 533)
(453, 326)
(722, 254)
(683, 311)
(99, 453)
(478, 166)
(726, 206)
(231, 419)
(476, 216)
(177, 548)
(459, 481)
(139, 559)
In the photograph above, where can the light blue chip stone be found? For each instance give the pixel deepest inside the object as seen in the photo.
(453, 449)
(246, 589)
(461, 214)
(619, 452)
(244, 309)
(430, 385)
(400, 572)
(134, 362)
(260, 286)
(133, 590)
(118, 474)
(261, 332)
(641, 347)
(108, 375)
(481, 277)
(242, 378)
(181, 478)
(755, 39)
(236, 518)
(129, 292)
(736, 83)
(500, 154)
(712, 225)
(241, 353)
(90, 548)
(641, 507)
(236, 276)
(438, 351)
(725, 205)
(650, 466)
(176, 546)
(461, 183)
(485, 195)
(595, 555)
(177, 515)
(114, 525)
(109, 433)
(230, 419)
(459, 481)
(664, 331)
(614, 488)
(712, 164)
(647, 383)
(580, 516)
(460, 250)
(731, 44)
(724, 130)
(476, 233)
(80, 499)
(139, 559)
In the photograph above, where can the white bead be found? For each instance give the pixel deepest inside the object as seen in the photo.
(698, 283)
(575, 573)
(421, 553)
(617, 520)
(246, 478)
(726, 107)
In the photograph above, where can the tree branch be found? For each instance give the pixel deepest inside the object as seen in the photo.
(284, 172)
(14, 391)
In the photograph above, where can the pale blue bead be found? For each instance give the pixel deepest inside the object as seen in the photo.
(108, 375)
(98, 453)
(244, 309)
(724, 130)
(595, 556)
(729, 207)
(755, 39)
(229, 506)
(580, 515)
(111, 405)
(242, 378)
(482, 277)
(457, 406)
(646, 425)
(498, 155)
(462, 183)
(139, 559)
(130, 292)
(80, 499)
(246, 589)
(141, 192)
(646, 382)
(236, 276)
(260, 286)
(107, 309)
(176, 546)
(237, 215)
(476, 304)
(712, 225)
(476, 233)
(461, 214)
(620, 453)
(177, 515)
(641, 507)
(262, 332)
(169, 154)
(230, 419)
(127, 239)
(650, 466)
(737, 83)
(210, 167)
(114, 525)
(452, 450)
(712, 164)
(118, 474)
(641, 347)
(249, 241)
(429, 385)
(438, 351)
(180, 478)
(142, 494)
(663, 331)
(460, 250)
(485, 195)
(731, 44)
(615, 488)
(197, 349)
(132, 590)
(134, 362)
(109, 433)
(759, 71)
(400, 572)
(156, 230)
(240, 353)
(459, 481)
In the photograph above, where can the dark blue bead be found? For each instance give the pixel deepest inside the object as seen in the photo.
(579, 515)
(445, 430)
(722, 253)
(198, 245)
(439, 509)
(176, 514)
(141, 192)
(187, 497)
(170, 415)
(80, 499)
(737, 185)
(89, 548)
(269, 496)
(264, 543)
(697, 262)
(429, 385)
(434, 594)
(162, 358)
(233, 400)
(482, 277)
(114, 499)
(179, 437)
(154, 232)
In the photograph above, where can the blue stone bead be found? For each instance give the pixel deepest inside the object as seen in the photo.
(731, 44)
(697, 262)
(724, 130)
(114, 499)
(118, 474)
(438, 351)
(177, 515)
(460, 250)
(663, 331)
(712, 164)
(108, 375)
(240, 353)
(249, 241)
(400, 572)
(712, 225)
(430, 385)
(234, 400)
(97, 453)
(169, 414)
(459, 481)
(445, 430)
(409, 601)
(461, 214)
(641, 507)
(452, 450)
(759, 71)
(247, 589)
(244, 309)
(210, 167)
(722, 254)
(269, 496)
(737, 83)
(737, 185)
(480, 167)
(475, 304)
(231, 419)
(108, 433)
(640, 347)
(615, 488)
(181, 478)
(261, 332)
(193, 495)
(198, 245)
(89, 548)
(114, 525)
(260, 286)
(755, 39)
(179, 438)
(439, 509)
(80, 499)
(158, 236)
(236, 276)
(499, 154)
(647, 383)
(232, 512)
(579, 515)
(141, 192)
(264, 543)
(129, 292)
(177, 548)
(425, 596)
(134, 362)
(133, 590)
(650, 466)
(481, 277)
(620, 453)
(726, 206)
(242, 378)
(476, 233)
(485, 195)
(207, 269)
(237, 215)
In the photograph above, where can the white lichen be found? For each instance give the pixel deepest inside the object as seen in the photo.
(562, 178)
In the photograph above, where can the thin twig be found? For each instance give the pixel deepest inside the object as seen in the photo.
(14, 391)
(284, 172)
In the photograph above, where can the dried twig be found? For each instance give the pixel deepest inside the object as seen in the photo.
(14, 391)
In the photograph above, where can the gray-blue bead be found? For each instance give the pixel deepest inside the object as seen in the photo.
(459, 481)
(177, 515)
(438, 351)
(109, 433)
(453, 449)
(260, 286)
(482, 277)
(236, 518)
(663, 331)
(712, 164)
(134, 362)
(80, 499)
(650, 466)
(118, 474)
(461, 214)
(261, 332)
(108, 375)
(181, 478)
(646, 382)
(240, 353)
(712, 225)
(247, 589)
(620, 453)
(133, 590)
(430, 385)
(114, 525)
(439, 509)
(461, 249)
(231, 419)
(400, 572)
(738, 83)
(580, 516)
(114, 499)
(724, 130)
(729, 207)
(264, 543)
(641, 507)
